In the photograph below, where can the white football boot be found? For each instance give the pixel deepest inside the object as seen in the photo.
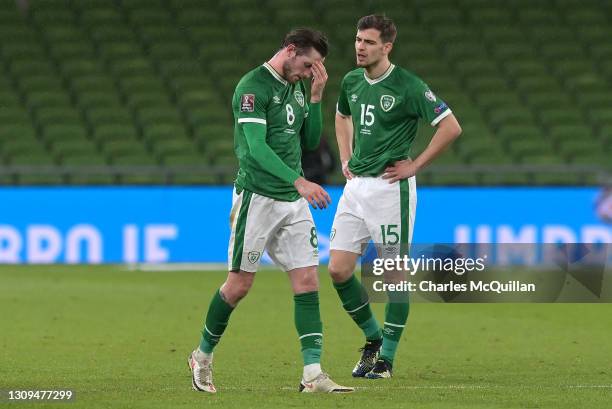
(201, 374)
(323, 383)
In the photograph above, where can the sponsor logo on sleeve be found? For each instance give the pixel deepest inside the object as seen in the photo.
(353, 98)
(430, 96)
(247, 103)
(440, 108)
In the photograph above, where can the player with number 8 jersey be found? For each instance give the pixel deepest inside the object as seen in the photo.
(264, 97)
(272, 123)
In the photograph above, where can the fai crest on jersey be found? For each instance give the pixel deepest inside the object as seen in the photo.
(247, 103)
(253, 256)
(430, 95)
(387, 102)
(299, 97)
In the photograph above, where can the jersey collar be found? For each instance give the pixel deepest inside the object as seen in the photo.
(379, 79)
(274, 73)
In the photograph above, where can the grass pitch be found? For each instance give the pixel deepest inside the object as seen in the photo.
(120, 339)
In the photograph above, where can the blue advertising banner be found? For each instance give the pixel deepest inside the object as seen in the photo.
(184, 224)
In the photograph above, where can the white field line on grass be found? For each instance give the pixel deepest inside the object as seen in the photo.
(440, 387)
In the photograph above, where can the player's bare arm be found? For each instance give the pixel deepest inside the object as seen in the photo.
(448, 130)
(344, 136)
(319, 79)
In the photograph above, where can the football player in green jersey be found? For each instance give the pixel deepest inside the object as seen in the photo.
(377, 116)
(272, 121)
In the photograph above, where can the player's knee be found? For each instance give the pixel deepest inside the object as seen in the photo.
(339, 272)
(308, 283)
(235, 290)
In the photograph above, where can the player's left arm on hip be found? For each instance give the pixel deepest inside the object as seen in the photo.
(313, 125)
(448, 129)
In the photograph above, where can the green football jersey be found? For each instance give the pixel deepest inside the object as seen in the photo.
(263, 96)
(385, 114)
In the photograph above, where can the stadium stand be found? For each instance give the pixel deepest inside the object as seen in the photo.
(139, 91)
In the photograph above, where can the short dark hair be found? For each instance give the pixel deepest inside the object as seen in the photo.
(382, 23)
(305, 38)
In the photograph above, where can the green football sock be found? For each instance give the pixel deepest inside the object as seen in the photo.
(309, 326)
(396, 315)
(355, 302)
(217, 318)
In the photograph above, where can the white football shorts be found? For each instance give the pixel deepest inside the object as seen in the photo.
(285, 229)
(373, 209)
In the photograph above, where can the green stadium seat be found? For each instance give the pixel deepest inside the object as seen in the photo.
(12, 115)
(41, 179)
(601, 50)
(521, 148)
(153, 115)
(558, 178)
(504, 178)
(142, 84)
(453, 179)
(51, 15)
(543, 101)
(146, 100)
(140, 159)
(59, 115)
(124, 147)
(80, 67)
(81, 178)
(72, 49)
(601, 116)
(82, 158)
(31, 156)
(542, 159)
(164, 148)
(16, 132)
(110, 115)
(595, 99)
(511, 132)
(195, 179)
(510, 115)
(572, 147)
(144, 179)
(184, 159)
(132, 67)
(585, 17)
(560, 116)
(64, 132)
(39, 99)
(121, 49)
(112, 131)
(521, 68)
(169, 50)
(154, 132)
(92, 83)
(537, 84)
(67, 148)
(44, 83)
(95, 100)
(601, 159)
(101, 16)
(561, 133)
(61, 33)
(31, 66)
